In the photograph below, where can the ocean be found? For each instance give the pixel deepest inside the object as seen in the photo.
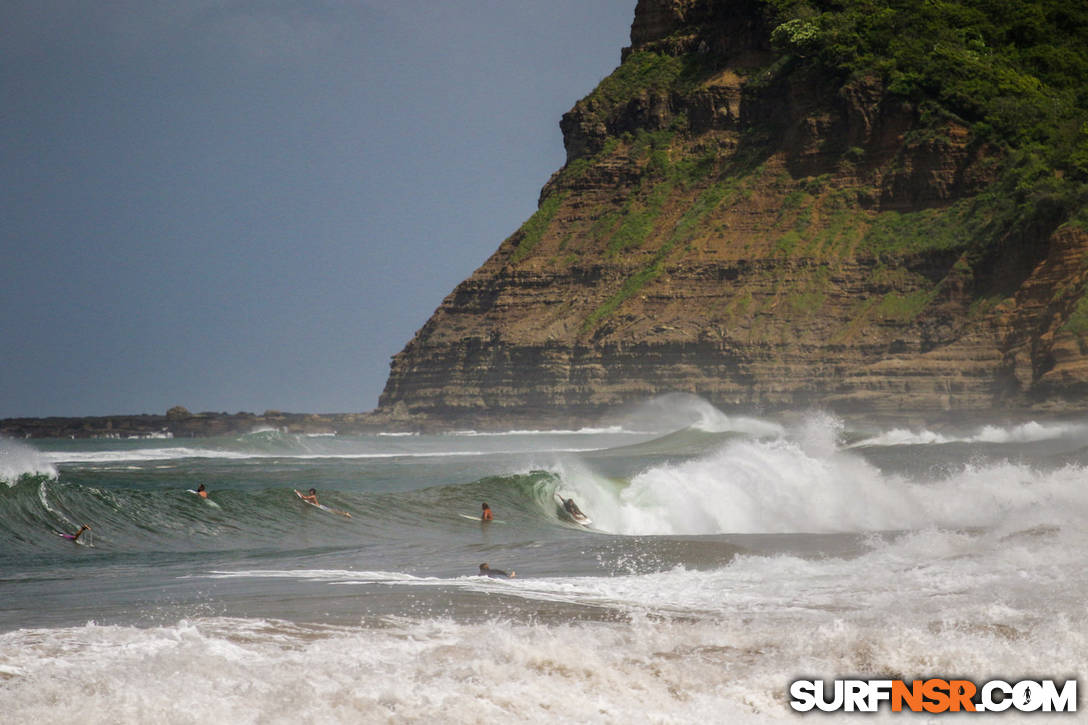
(727, 557)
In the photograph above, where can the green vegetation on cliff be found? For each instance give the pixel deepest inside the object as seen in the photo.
(534, 227)
(1013, 69)
(641, 72)
(680, 234)
(1012, 72)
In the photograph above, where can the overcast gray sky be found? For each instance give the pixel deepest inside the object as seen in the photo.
(250, 204)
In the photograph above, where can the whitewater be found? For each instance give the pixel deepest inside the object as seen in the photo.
(728, 556)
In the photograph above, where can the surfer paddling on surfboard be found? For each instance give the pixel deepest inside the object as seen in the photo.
(311, 498)
(487, 515)
(202, 492)
(485, 570)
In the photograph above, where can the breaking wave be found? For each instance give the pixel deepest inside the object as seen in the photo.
(18, 460)
(1030, 432)
(804, 481)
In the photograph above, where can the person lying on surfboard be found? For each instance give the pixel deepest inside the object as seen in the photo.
(487, 515)
(311, 498)
(485, 570)
(75, 537)
(201, 491)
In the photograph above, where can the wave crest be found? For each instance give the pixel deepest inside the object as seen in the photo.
(18, 461)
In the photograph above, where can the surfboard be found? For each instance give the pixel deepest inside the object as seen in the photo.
(582, 520)
(81, 541)
(478, 520)
(322, 506)
(206, 499)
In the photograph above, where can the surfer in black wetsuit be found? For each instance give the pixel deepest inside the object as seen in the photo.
(485, 570)
(572, 508)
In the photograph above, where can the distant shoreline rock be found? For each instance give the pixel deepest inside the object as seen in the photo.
(180, 423)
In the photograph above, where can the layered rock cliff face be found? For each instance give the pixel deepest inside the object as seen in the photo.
(735, 224)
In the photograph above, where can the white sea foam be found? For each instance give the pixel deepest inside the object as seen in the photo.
(169, 454)
(18, 459)
(265, 431)
(905, 437)
(1030, 432)
(140, 454)
(407, 671)
(675, 411)
(924, 604)
(321, 575)
(804, 482)
(714, 421)
(610, 430)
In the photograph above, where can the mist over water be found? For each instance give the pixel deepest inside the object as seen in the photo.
(727, 556)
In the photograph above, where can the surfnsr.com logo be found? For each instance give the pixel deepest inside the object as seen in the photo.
(933, 696)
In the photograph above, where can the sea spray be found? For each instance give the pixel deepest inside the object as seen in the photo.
(760, 487)
(803, 482)
(1029, 432)
(676, 411)
(18, 460)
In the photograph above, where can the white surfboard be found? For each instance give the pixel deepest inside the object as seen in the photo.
(478, 520)
(206, 499)
(322, 506)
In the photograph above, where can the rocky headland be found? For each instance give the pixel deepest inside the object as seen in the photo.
(755, 213)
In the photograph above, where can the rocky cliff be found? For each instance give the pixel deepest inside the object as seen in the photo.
(747, 216)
